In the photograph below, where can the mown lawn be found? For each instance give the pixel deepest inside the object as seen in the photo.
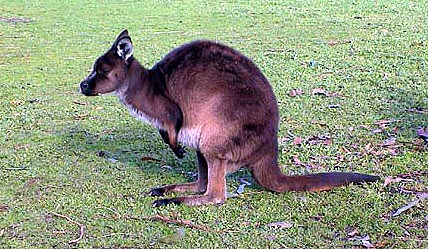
(360, 74)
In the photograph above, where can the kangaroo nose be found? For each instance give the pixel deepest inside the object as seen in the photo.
(84, 86)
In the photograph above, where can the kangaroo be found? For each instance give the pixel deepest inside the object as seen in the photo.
(209, 97)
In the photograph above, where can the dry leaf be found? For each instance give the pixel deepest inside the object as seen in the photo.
(393, 152)
(333, 42)
(389, 142)
(380, 244)
(295, 92)
(32, 181)
(325, 75)
(244, 183)
(149, 159)
(81, 116)
(21, 146)
(327, 141)
(353, 233)
(365, 241)
(312, 166)
(385, 31)
(390, 179)
(423, 133)
(333, 94)
(79, 103)
(16, 102)
(367, 127)
(318, 123)
(297, 141)
(280, 224)
(345, 150)
(405, 208)
(321, 139)
(319, 91)
(368, 147)
(4, 208)
(296, 160)
(383, 124)
(174, 238)
(418, 110)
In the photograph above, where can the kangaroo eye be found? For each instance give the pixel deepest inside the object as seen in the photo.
(104, 69)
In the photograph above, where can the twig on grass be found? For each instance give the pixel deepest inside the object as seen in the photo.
(80, 225)
(17, 168)
(157, 217)
(186, 223)
(411, 204)
(115, 234)
(413, 174)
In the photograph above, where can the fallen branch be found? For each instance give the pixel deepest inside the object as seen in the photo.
(149, 159)
(17, 168)
(186, 223)
(413, 174)
(114, 234)
(411, 204)
(81, 227)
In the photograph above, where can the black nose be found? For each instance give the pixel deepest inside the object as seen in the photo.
(84, 86)
(86, 89)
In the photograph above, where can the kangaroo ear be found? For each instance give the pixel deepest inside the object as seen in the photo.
(122, 34)
(123, 45)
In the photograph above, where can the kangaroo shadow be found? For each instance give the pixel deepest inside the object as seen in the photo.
(135, 147)
(407, 109)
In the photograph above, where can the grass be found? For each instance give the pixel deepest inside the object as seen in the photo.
(374, 55)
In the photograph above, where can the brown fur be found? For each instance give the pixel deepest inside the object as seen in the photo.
(212, 98)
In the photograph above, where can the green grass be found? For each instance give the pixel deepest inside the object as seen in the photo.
(378, 67)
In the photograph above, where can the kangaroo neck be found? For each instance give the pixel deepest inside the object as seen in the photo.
(141, 90)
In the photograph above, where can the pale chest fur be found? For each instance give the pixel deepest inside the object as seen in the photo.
(190, 137)
(138, 113)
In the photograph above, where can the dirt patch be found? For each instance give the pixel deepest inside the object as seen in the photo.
(15, 20)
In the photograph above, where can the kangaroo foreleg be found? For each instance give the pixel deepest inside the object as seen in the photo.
(178, 150)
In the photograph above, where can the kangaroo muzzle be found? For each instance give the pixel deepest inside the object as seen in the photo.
(86, 86)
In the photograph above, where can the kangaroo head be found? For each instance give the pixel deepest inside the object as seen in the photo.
(111, 69)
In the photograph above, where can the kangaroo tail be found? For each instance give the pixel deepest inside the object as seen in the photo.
(270, 176)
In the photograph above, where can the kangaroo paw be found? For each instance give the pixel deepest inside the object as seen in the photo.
(165, 202)
(157, 192)
(179, 152)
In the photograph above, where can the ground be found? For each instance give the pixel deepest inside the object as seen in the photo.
(351, 82)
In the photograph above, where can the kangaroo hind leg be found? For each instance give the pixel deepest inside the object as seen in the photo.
(216, 188)
(199, 186)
